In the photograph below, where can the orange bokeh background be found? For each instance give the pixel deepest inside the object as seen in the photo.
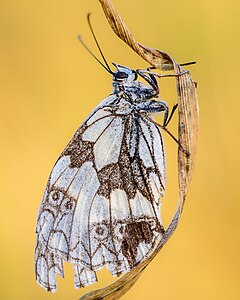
(49, 84)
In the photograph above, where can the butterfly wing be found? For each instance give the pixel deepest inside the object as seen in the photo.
(101, 205)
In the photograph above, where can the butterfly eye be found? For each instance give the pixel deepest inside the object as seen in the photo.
(120, 75)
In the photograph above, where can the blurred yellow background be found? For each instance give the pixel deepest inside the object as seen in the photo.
(49, 84)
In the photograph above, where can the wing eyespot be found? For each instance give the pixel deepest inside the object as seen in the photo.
(55, 197)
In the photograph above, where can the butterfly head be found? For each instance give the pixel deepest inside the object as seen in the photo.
(124, 74)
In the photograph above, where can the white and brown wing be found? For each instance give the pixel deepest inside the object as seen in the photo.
(101, 205)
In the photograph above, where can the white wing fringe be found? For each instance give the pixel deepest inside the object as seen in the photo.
(48, 266)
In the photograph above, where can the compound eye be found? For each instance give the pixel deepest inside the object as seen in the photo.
(120, 75)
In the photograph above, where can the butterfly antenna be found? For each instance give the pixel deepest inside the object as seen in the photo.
(189, 63)
(89, 51)
(96, 41)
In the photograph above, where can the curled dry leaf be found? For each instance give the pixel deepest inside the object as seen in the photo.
(159, 59)
(187, 134)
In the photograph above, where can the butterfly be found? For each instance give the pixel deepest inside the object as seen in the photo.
(101, 205)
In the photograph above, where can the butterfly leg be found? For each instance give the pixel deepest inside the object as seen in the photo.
(166, 121)
(165, 128)
(167, 118)
(151, 79)
(153, 74)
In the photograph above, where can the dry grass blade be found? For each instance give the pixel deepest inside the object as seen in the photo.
(187, 131)
(187, 128)
(159, 59)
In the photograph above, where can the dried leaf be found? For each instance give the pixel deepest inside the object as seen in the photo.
(187, 134)
(159, 59)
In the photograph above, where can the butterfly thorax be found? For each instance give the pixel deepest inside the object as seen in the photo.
(136, 97)
(134, 91)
